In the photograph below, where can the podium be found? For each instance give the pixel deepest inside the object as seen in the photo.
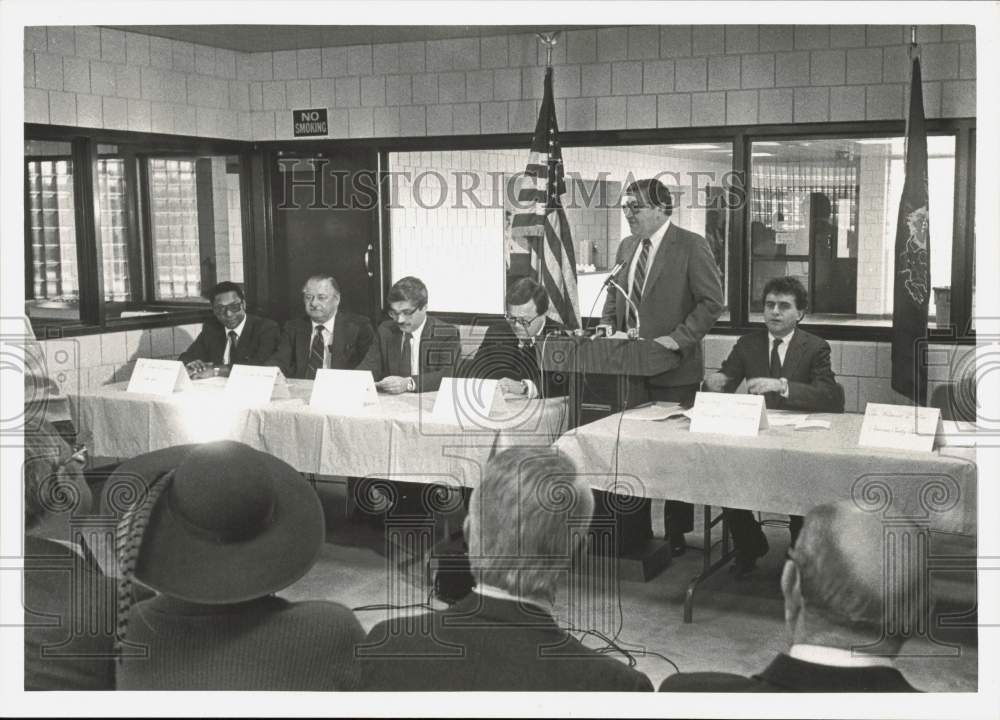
(603, 377)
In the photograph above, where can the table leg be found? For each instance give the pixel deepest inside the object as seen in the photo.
(708, 567)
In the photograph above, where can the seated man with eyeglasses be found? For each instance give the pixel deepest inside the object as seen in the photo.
(412, 351)
(511, 349)
(327, 338)
(232, 337)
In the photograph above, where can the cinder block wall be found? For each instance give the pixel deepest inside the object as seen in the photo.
(605, 79)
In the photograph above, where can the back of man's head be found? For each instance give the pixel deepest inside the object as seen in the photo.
(526, 520)
(851, 580)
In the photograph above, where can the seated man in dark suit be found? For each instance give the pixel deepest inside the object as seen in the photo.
(844, 613)
(511, 348)
(791, 369)
(412, 350)
(503, 635)
(68, 602)
(233, 337)
(328, 338)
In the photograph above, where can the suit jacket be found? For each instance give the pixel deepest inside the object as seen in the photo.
(811, 382)
(68, 610)
(259, 338)
(788, 674)
(682, 298)
(485, 643)
(440, 350)
(352, 336)
(500, 357)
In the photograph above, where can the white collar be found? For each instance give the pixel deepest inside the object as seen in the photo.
(71, 545)
(238, 329)
(785, 340)
(328, 325)
(837, 657)
(501, 594)
(656, 238)
(416, 333)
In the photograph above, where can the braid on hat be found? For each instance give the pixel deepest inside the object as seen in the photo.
(128, 540)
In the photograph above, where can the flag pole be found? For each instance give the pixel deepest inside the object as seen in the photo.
(549, 40)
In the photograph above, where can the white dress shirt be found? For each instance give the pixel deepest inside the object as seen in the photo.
(414, 349)
(327, 338)
(239, 333)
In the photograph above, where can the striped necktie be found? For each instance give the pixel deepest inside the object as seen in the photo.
(638, 281)
(315, 354)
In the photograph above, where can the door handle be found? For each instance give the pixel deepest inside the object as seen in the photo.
(368, 267)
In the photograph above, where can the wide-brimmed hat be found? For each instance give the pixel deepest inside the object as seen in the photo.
(232, 525)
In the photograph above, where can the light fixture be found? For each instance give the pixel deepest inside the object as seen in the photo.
(765, 143)
(761, 154)
(697, 147)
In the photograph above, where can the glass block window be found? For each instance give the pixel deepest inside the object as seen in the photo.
(173, 196)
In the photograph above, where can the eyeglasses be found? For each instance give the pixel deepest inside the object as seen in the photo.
(402, 314)
(633, 207)
(230, 309)
(320, 298)
(523, 322)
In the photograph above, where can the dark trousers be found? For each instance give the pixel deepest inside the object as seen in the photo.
(747, 532)
(679, 516)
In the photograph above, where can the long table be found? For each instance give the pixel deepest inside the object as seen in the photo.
(781, 470)
(398, 439)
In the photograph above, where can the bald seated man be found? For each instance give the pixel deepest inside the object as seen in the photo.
(844, 620)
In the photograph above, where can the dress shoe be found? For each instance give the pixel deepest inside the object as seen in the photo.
(746, 558)
(677, 544)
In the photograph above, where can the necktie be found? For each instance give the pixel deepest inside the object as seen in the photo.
(407, 355)
(775, 359)
(315, 353)
(232, 347)
(638, 281)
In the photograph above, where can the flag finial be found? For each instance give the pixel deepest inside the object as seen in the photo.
(549, 40)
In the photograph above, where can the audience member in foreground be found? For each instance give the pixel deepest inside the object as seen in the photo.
(221, 529)
(68, 639)
(845, 612)
(791, 369)
(527, 520)
(233, 336)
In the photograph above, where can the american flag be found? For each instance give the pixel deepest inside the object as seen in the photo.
(542, 218)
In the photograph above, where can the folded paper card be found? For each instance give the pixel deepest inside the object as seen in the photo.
(726, 414)
(256, 385)
(901, 427)
(468, 402)
(343, 391)
(158, 377)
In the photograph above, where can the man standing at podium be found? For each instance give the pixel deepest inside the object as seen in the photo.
(673, 282)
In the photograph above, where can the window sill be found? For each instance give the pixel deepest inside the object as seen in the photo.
(47, 328)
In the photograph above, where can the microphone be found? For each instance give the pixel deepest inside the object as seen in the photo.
(611, 276)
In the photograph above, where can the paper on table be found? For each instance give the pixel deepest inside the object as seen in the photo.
(806, 423)
(783, 418)
(956, 434)
(798, 421)
(656, 412)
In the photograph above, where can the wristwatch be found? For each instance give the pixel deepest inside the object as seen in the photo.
(524, 387)
(784, 387)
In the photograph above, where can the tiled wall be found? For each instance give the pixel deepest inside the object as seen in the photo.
(605, 79)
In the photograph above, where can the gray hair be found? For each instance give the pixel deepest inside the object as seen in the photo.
(527, 519)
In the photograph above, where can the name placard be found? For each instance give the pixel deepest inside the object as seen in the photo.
(343, 391)
(900, 427)
(255, 385)
(468, 402)
(158, 377)
(726, 414)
